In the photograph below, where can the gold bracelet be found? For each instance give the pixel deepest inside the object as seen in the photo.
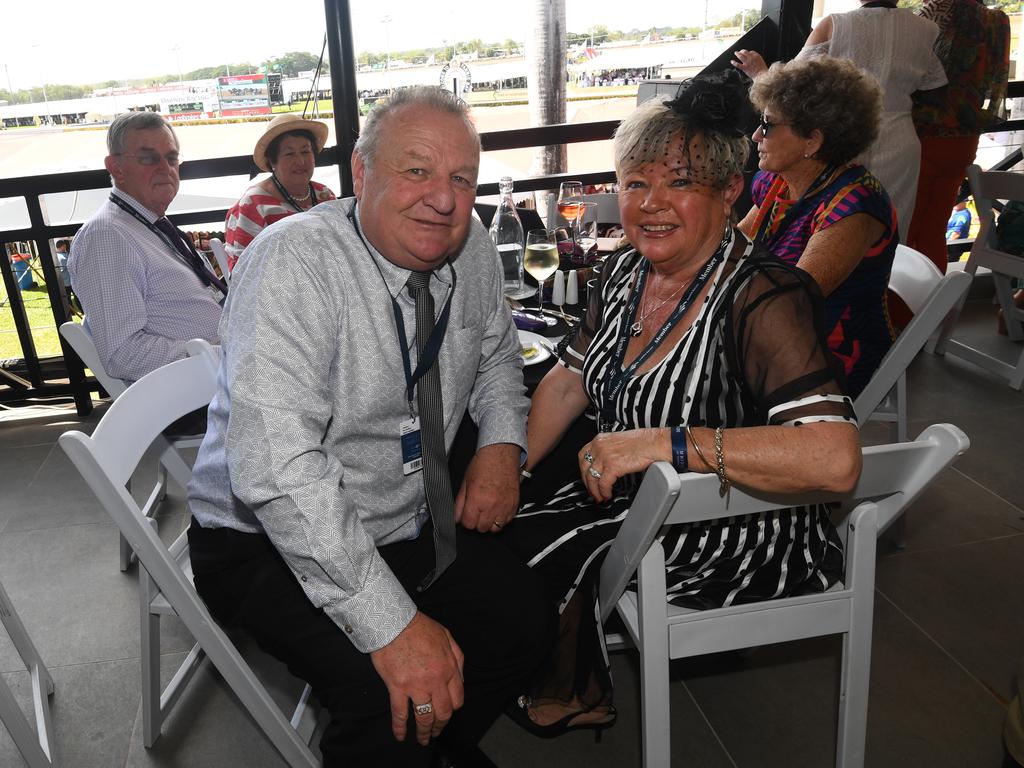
(723, 479)
(696, 447)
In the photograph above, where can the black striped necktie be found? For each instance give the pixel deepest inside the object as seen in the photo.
(177, 237)
(436, 481)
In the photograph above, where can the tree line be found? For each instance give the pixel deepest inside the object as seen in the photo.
(288, 65)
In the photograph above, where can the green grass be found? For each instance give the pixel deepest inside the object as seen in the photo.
(40, 319)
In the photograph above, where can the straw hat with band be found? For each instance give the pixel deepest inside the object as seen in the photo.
(285, 124)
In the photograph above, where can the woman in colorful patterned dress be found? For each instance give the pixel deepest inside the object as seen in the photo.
(697, 348)
(815, 209)
(288, 149)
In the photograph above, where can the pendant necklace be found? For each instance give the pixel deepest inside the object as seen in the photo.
(638, 327)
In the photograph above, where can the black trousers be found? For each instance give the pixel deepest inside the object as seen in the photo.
(494, 606)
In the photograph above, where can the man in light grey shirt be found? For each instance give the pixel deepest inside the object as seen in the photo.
(311, 530)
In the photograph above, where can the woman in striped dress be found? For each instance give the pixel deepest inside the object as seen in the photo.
(697, 349)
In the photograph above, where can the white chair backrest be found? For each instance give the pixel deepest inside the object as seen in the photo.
(221, 256)
(607, 208)
(80, 341)
(987, 186)
(892, 476)
(132, 423)
(944, 295)
(913, 277)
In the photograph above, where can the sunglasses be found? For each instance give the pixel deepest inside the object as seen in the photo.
(766, 126)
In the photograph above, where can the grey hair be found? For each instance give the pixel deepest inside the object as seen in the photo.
(420, 96)
(646, 135)
(134, 121)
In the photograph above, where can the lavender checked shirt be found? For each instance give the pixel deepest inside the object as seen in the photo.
(303, 439)
(142, 303)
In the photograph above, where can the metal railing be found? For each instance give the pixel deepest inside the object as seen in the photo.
(65, 376)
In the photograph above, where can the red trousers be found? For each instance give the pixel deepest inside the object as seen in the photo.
(944, 162)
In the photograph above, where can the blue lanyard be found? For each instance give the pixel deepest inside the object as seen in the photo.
(613, 382)
(433, 346)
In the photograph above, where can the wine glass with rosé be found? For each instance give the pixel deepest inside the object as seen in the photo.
(570, 198)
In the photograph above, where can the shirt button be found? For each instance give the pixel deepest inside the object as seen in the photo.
(348, 629)
(303, 578)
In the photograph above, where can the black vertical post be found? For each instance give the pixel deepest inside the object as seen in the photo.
(793, 18)
(342, 55)
(59, 306)
(17, 306)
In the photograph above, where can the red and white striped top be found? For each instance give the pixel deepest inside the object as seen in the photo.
(254, 211)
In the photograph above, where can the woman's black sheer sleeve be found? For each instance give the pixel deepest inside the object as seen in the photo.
(778, 342)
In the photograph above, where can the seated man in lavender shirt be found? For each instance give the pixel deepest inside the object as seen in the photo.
(144, 289)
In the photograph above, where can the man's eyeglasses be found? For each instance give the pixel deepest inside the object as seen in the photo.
(767, 125)
(152, 158)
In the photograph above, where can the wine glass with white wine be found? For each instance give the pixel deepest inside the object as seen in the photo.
(541, 258)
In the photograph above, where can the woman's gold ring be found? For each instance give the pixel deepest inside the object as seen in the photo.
(594, 473)
(588, 457)
(424, 709)
(497, 525)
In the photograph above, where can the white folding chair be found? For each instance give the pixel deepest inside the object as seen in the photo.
(170, 461)
(987, 186)
(222, 258)
(106, 461)
(931, 296)
(892, 477)
(37, 749)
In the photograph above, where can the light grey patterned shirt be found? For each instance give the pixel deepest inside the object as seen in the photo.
(303, 438)
(142, 302)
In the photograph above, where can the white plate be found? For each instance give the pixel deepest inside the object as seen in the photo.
(538, 342)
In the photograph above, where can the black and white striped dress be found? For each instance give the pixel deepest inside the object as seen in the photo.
(755, 355)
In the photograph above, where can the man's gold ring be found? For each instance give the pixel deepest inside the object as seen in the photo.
(497, 525)
(423, 709)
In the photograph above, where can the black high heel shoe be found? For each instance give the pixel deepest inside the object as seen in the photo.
(517, 712)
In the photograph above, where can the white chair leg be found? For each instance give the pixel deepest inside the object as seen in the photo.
(152, 717)
(654, 672)
(24, 739)
(1004, 295)
(36, 748)
(856, 663)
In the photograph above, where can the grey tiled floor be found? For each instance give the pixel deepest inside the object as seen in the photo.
(948, 632)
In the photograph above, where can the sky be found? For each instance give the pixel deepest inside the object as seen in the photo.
(74, 42)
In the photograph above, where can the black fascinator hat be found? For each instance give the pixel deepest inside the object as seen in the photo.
(715, 103)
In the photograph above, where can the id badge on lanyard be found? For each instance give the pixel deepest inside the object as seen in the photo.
(412, 450)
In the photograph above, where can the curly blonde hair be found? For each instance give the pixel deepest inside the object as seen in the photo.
(831, 95)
